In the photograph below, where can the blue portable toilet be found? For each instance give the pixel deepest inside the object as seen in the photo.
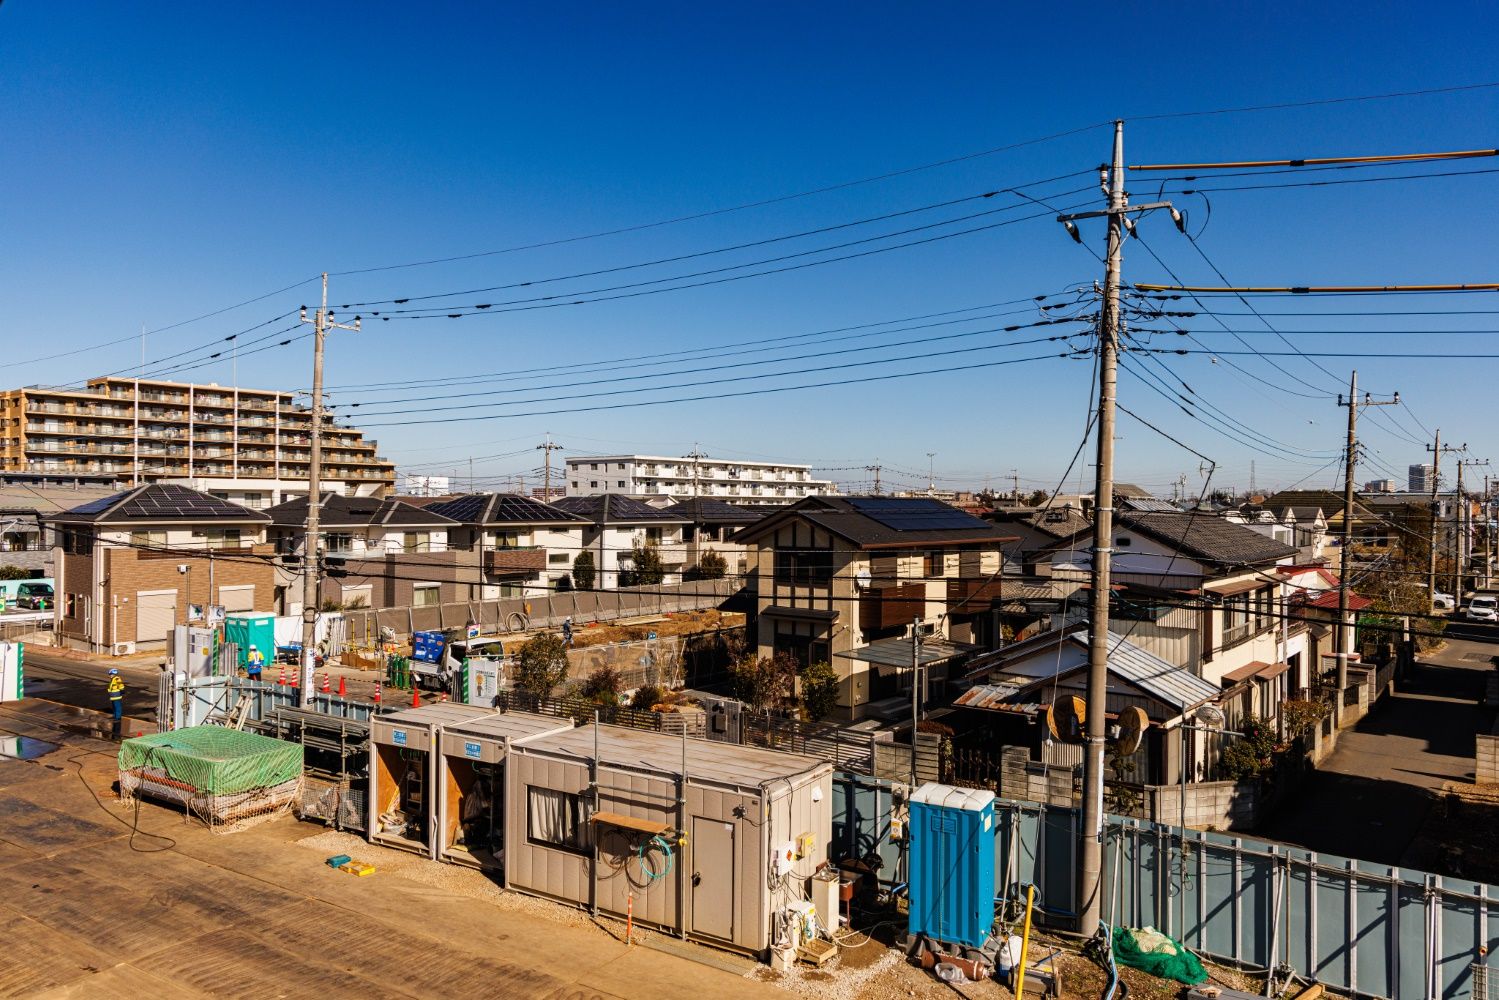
(952, 864)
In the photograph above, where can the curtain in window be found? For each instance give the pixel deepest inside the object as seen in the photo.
(555, 818)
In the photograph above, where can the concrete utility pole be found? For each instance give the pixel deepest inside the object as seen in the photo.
(1350, 465)
(1437, 451)
(931, 473)
(1462, 525)
(1015, 478)
(875, 468)
(547, 447)
(1090, 847)
(312, 544)
(697, 457)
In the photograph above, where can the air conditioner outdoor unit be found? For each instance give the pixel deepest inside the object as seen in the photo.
(122, 649)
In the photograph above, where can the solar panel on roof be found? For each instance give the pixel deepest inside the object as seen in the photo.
(913, 514)
(98, 506)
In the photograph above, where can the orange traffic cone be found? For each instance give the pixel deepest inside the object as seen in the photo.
(443, 696)
(282, 678)
(327, 683)
(377, 692)
(344, 694)
(416, 696)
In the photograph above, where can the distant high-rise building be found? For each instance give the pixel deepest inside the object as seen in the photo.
(1419, 478)
(1380, 486)
(248, 446)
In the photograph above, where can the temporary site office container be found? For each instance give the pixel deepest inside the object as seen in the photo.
(714, 841)
(471, 784)
(403, 773)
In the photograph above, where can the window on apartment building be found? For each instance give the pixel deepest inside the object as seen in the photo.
(593, 466)
(575, 484)
(416, 541)
(621, 468)
(593, 484)
(804, 567)
(559, 559)
(338, 541)
(556, 819)
(620, 484)
(148, 539)
(426, 595)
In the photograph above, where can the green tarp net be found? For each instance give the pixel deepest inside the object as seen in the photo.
(1148, 950)
(214, 760)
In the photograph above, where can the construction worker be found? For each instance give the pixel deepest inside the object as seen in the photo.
(255, 662)
(116, 691)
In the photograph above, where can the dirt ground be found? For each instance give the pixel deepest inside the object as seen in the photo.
(635, 629)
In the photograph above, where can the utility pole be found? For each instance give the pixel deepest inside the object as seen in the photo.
(1090, 847)
(1350, 464)
(875, 468)
(1437, 451)
(1015, 477)
(1461, 526)
(547, 447)
(931, 473)
(697, 456)
(312, 543)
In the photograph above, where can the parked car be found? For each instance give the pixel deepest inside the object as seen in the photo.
(1483, 609)
(35, 594)
(1443, 602)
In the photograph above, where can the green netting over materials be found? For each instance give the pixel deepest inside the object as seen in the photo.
(1148, 950)
(214, 760)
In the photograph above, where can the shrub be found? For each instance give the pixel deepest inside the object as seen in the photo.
(541, 665)
(767, 682)
(583, 571)
(711, 566)
(647, 696)
(602, 686)
(819, 691)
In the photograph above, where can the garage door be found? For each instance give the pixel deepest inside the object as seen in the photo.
(155, 614)
(241, 598)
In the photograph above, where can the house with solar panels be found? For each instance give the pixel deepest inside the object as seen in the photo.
(615, 524)
(845, 580)
(129, 565)
(378, 553)
(512, 545)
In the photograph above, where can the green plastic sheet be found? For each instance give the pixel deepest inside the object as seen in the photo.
(214, 760)
(1150, 951)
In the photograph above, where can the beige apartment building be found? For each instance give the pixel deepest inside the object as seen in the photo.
(248, 446)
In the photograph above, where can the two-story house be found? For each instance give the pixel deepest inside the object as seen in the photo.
(129, 565)
(383, 554)
(616, 525)
(1196, 590)
(844, 579)
(710, 526)
(515, 546)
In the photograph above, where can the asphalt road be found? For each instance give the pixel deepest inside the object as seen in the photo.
(1371, 796)
(81, 683)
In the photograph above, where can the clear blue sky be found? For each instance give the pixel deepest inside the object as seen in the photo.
(164, 161)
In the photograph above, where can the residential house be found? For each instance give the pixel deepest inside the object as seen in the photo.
(843, 579)
(1038, 530)
(1197, 590)
(515, 546)
(25, 541)
(711, 524)
(378, 553)
(616, 525)
(1013, 687)
(129, 565)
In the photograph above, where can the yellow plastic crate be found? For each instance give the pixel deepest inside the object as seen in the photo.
(359, 868)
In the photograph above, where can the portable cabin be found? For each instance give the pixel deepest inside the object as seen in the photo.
(714, 841)
(471, 784)
(403, 773)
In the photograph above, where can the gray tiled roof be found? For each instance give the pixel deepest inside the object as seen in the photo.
(501, 508)
(703, 510)
(840, 516)
(1209, 538)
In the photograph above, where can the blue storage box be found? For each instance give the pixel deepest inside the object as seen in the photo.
(427, 647)
(952, 864)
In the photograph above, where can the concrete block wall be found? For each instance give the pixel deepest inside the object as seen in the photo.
(1486, 769)
(1219, 805)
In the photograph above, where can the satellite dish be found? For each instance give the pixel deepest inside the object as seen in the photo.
(862, 579)
(1210, 716)
(1065, 718)
(1132, 725)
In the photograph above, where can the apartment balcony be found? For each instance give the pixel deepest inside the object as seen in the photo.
(887, 607)
(220, 402)
(212, 418)
(973, 594)
(1234, 635)
(512, 562)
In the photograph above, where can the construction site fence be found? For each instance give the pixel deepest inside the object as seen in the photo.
(518, 614)
(196, 701)
(1360, 929)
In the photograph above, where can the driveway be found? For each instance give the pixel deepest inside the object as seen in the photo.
(1371, 796)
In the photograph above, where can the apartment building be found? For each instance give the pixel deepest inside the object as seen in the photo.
(248, 446)
(655, 478)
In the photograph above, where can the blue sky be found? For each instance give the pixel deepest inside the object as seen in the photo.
(162, 162)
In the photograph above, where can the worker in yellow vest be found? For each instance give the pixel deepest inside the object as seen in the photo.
(116, 691)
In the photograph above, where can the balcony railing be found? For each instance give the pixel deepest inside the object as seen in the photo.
(515, 561)
(884, 607)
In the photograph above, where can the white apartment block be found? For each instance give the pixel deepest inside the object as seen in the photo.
(655, 477)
